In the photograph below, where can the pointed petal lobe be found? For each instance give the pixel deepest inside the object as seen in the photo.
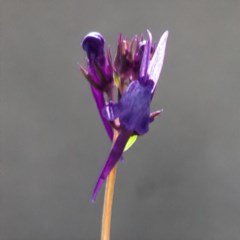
(156, 63)
(100, 102)
(145, 59)
(112, 159)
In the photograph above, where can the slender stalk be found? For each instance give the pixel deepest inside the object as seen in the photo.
(108, 200)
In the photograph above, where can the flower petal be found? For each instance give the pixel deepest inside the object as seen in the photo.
(145, 59)
(112, 159)
(100, 102)
(156, 63)
(93, 45)
(110, 111)
(134, 106)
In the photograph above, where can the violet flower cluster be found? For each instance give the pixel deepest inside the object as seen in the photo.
(134, 72)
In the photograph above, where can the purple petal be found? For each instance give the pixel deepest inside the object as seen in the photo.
(155, 66)
(134, 106)
(112, 159)
(145, 59)
(93, 45)
(99, 67)
(110, 111)
(100, 102)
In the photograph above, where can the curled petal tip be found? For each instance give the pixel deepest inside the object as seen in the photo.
(93, 36)
(93, 45)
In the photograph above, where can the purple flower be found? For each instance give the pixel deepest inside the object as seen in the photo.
(133, 109)
(99, 72)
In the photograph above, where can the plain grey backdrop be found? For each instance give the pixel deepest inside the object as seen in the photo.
(179, 182)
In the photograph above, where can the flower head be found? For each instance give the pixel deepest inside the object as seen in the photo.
(131, 114)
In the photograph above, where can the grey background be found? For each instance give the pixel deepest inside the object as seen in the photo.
(179, 182)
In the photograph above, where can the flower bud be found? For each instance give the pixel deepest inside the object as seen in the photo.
(99, 72)
(93, 45)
